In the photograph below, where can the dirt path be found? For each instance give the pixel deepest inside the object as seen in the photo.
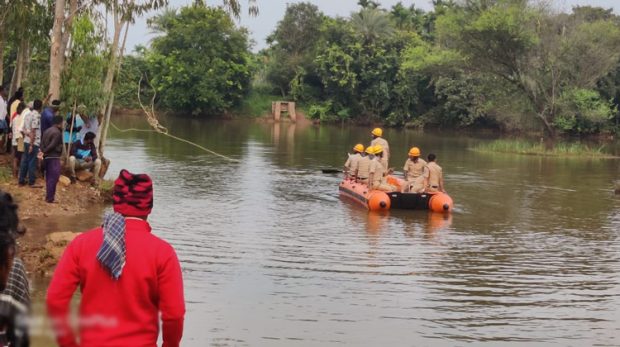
(46, 233)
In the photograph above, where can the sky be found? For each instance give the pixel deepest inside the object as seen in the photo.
(271, 11)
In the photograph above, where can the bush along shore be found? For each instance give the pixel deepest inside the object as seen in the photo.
(558, 149)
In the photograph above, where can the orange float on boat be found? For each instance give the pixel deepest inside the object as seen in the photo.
(440, 202)
(374, 200)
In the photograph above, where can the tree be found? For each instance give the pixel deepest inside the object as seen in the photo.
(372, 24)
(23, 24)
(293, 48)
(82, 83)
(368, 4)
(537, 52)
(201, 63)
(61, 32)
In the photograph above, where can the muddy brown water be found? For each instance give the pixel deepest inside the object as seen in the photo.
(272, 257)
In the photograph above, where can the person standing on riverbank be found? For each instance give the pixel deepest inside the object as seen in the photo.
(377, 139)
(51, 146)
(128, 277)
(14, 287)
(47, 117)
(5, 120)
(17, 139)
(32, 141)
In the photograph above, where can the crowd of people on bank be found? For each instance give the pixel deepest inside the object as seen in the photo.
(370, 166)
(130, 280)
(43, 142)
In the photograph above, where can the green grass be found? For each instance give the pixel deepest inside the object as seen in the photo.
(560, 149)
(257, 104)
(106, 187)
(6, 174)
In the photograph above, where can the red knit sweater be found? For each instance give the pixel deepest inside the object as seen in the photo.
(123, 312)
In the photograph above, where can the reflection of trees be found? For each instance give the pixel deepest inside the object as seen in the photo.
(224, 137)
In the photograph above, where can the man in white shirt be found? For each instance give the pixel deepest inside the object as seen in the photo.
(17, 141)
(4, 122)
(32, 141)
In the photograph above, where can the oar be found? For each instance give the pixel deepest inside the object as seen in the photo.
(331, 171)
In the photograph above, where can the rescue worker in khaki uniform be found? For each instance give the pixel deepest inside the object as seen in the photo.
(378, 140)
(378, 172)
(414, 172)
(433, 176)
(358, 151)
(361, 168)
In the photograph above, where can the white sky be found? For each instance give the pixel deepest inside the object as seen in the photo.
(271, 11)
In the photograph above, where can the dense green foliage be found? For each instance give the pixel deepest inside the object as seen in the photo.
(199, 64)
(82, 78)
(507, 64)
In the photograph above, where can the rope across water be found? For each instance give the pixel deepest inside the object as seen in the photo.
(158, 128)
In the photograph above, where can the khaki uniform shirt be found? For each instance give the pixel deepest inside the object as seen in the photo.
(434, 173)
(378, 170)
(362, 166)
(414, 170)
(386, 149)
(351, 160)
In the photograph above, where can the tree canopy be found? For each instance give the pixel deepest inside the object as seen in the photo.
(508, 64)
(200, 64)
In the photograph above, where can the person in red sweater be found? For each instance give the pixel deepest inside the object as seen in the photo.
(127, 277)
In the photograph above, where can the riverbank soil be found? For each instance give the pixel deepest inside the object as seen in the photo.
(37, 248)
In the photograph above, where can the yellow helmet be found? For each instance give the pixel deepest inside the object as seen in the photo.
(414, 152)
(359, 148)
(370, 150)
(377, 132)
(377, 149)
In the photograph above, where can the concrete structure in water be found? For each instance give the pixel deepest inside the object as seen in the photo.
(277, 107)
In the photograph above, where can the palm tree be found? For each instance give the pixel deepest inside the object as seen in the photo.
(372, 24)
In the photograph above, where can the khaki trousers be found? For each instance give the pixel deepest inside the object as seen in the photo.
(79, 164)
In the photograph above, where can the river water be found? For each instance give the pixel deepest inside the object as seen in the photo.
(272, 257)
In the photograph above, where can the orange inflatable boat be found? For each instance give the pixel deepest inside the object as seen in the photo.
(376, 200)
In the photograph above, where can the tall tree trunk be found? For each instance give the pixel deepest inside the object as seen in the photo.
(548, 127)
(23, 56)
(2, 45)
(66, 35)
(16, 79)
(27, 60)
(106, 124)
(56, 54)
(11, 84)
(109, 78)
(108, 84)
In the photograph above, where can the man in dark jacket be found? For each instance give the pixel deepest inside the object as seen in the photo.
(84, 156)
(51, 146)
(47, 116)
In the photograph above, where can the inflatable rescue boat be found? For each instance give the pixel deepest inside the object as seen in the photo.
(376, 200)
